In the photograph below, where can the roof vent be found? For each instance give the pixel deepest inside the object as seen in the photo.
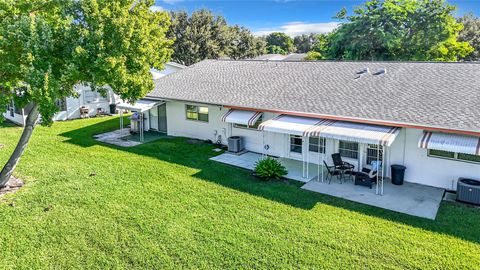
(364, 71)
(380, 71)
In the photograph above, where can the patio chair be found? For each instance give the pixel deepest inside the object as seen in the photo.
(366, 178)
(332, 171)
(344, 167)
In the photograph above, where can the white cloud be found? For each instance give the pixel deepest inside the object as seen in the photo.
(298, 28)
(156, 8)
(172, 2)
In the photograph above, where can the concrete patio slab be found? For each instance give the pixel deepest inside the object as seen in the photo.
(409, 198)
(116, 138)
(248, 160)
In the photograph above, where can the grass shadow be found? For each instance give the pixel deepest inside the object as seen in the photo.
(178, 151)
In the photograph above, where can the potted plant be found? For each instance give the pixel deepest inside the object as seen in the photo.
(269, 168)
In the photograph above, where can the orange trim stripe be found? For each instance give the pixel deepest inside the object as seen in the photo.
(262, 125)
(224, 117)
(252, 119)
(375, 122)
(386, 137)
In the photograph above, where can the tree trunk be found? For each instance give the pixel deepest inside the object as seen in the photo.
(20, 148)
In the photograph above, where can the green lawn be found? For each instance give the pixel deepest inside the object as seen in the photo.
(165, 205)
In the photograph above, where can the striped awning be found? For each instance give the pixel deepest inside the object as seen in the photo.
(289, 124)
(357, 132)
(241, 117)
(141, 105)
(450, 142)
(340, 130)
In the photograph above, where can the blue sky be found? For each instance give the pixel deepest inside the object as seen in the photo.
(291, 16)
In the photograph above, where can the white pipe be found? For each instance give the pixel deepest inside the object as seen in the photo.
(263, 144)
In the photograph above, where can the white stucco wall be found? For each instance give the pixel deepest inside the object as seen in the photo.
(178, 125)
(421, 168)
(74, 104)
(427, 170)
(17, 118)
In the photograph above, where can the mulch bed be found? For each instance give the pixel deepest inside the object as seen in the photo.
(12, 185)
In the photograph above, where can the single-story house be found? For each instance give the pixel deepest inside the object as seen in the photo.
(88, 101)
(423, 115)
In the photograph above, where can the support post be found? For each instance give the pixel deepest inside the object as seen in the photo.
(121, 123)
(308, 154)
(383, 176)
(318, 160)
(323, 154)
(378, 157)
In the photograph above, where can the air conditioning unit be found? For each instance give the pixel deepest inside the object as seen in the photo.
(468, 190)
(235, 144)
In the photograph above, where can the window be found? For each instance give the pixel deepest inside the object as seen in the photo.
(372, 152)
(93, 96)
(197, 113)
(255, 126)
(314, 144)
(468, 157)
(61, 104)
(296, 144)
(439, 153)
(11, 108)
(348, 149)
(452, 155)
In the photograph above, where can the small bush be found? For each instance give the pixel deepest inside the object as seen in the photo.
(270, 168)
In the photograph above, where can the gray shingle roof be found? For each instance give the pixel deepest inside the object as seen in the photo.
(444, 95)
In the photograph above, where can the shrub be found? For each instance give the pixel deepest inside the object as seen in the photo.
(270, 168)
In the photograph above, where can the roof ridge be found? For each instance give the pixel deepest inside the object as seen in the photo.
(341, 61)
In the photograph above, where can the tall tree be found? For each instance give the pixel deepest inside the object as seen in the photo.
(243, 44)
(48, 46)
(304, 43)
(399, 30)
(200, 36)
(278, 42)
(320, 48)
(471, 34)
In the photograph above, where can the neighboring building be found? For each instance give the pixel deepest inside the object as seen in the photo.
(425, 116)
(88, 100)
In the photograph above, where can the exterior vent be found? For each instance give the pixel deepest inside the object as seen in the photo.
(468, 190)
(235, 144)
(380, 71)
(363, 72)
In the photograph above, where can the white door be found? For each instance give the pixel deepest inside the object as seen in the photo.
(154, 118)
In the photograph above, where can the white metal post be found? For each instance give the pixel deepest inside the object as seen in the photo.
(378, 157)
(318, 160)
(383, 159)
(307, 153)
(141, 126)
(324, 150)
(121, 123)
